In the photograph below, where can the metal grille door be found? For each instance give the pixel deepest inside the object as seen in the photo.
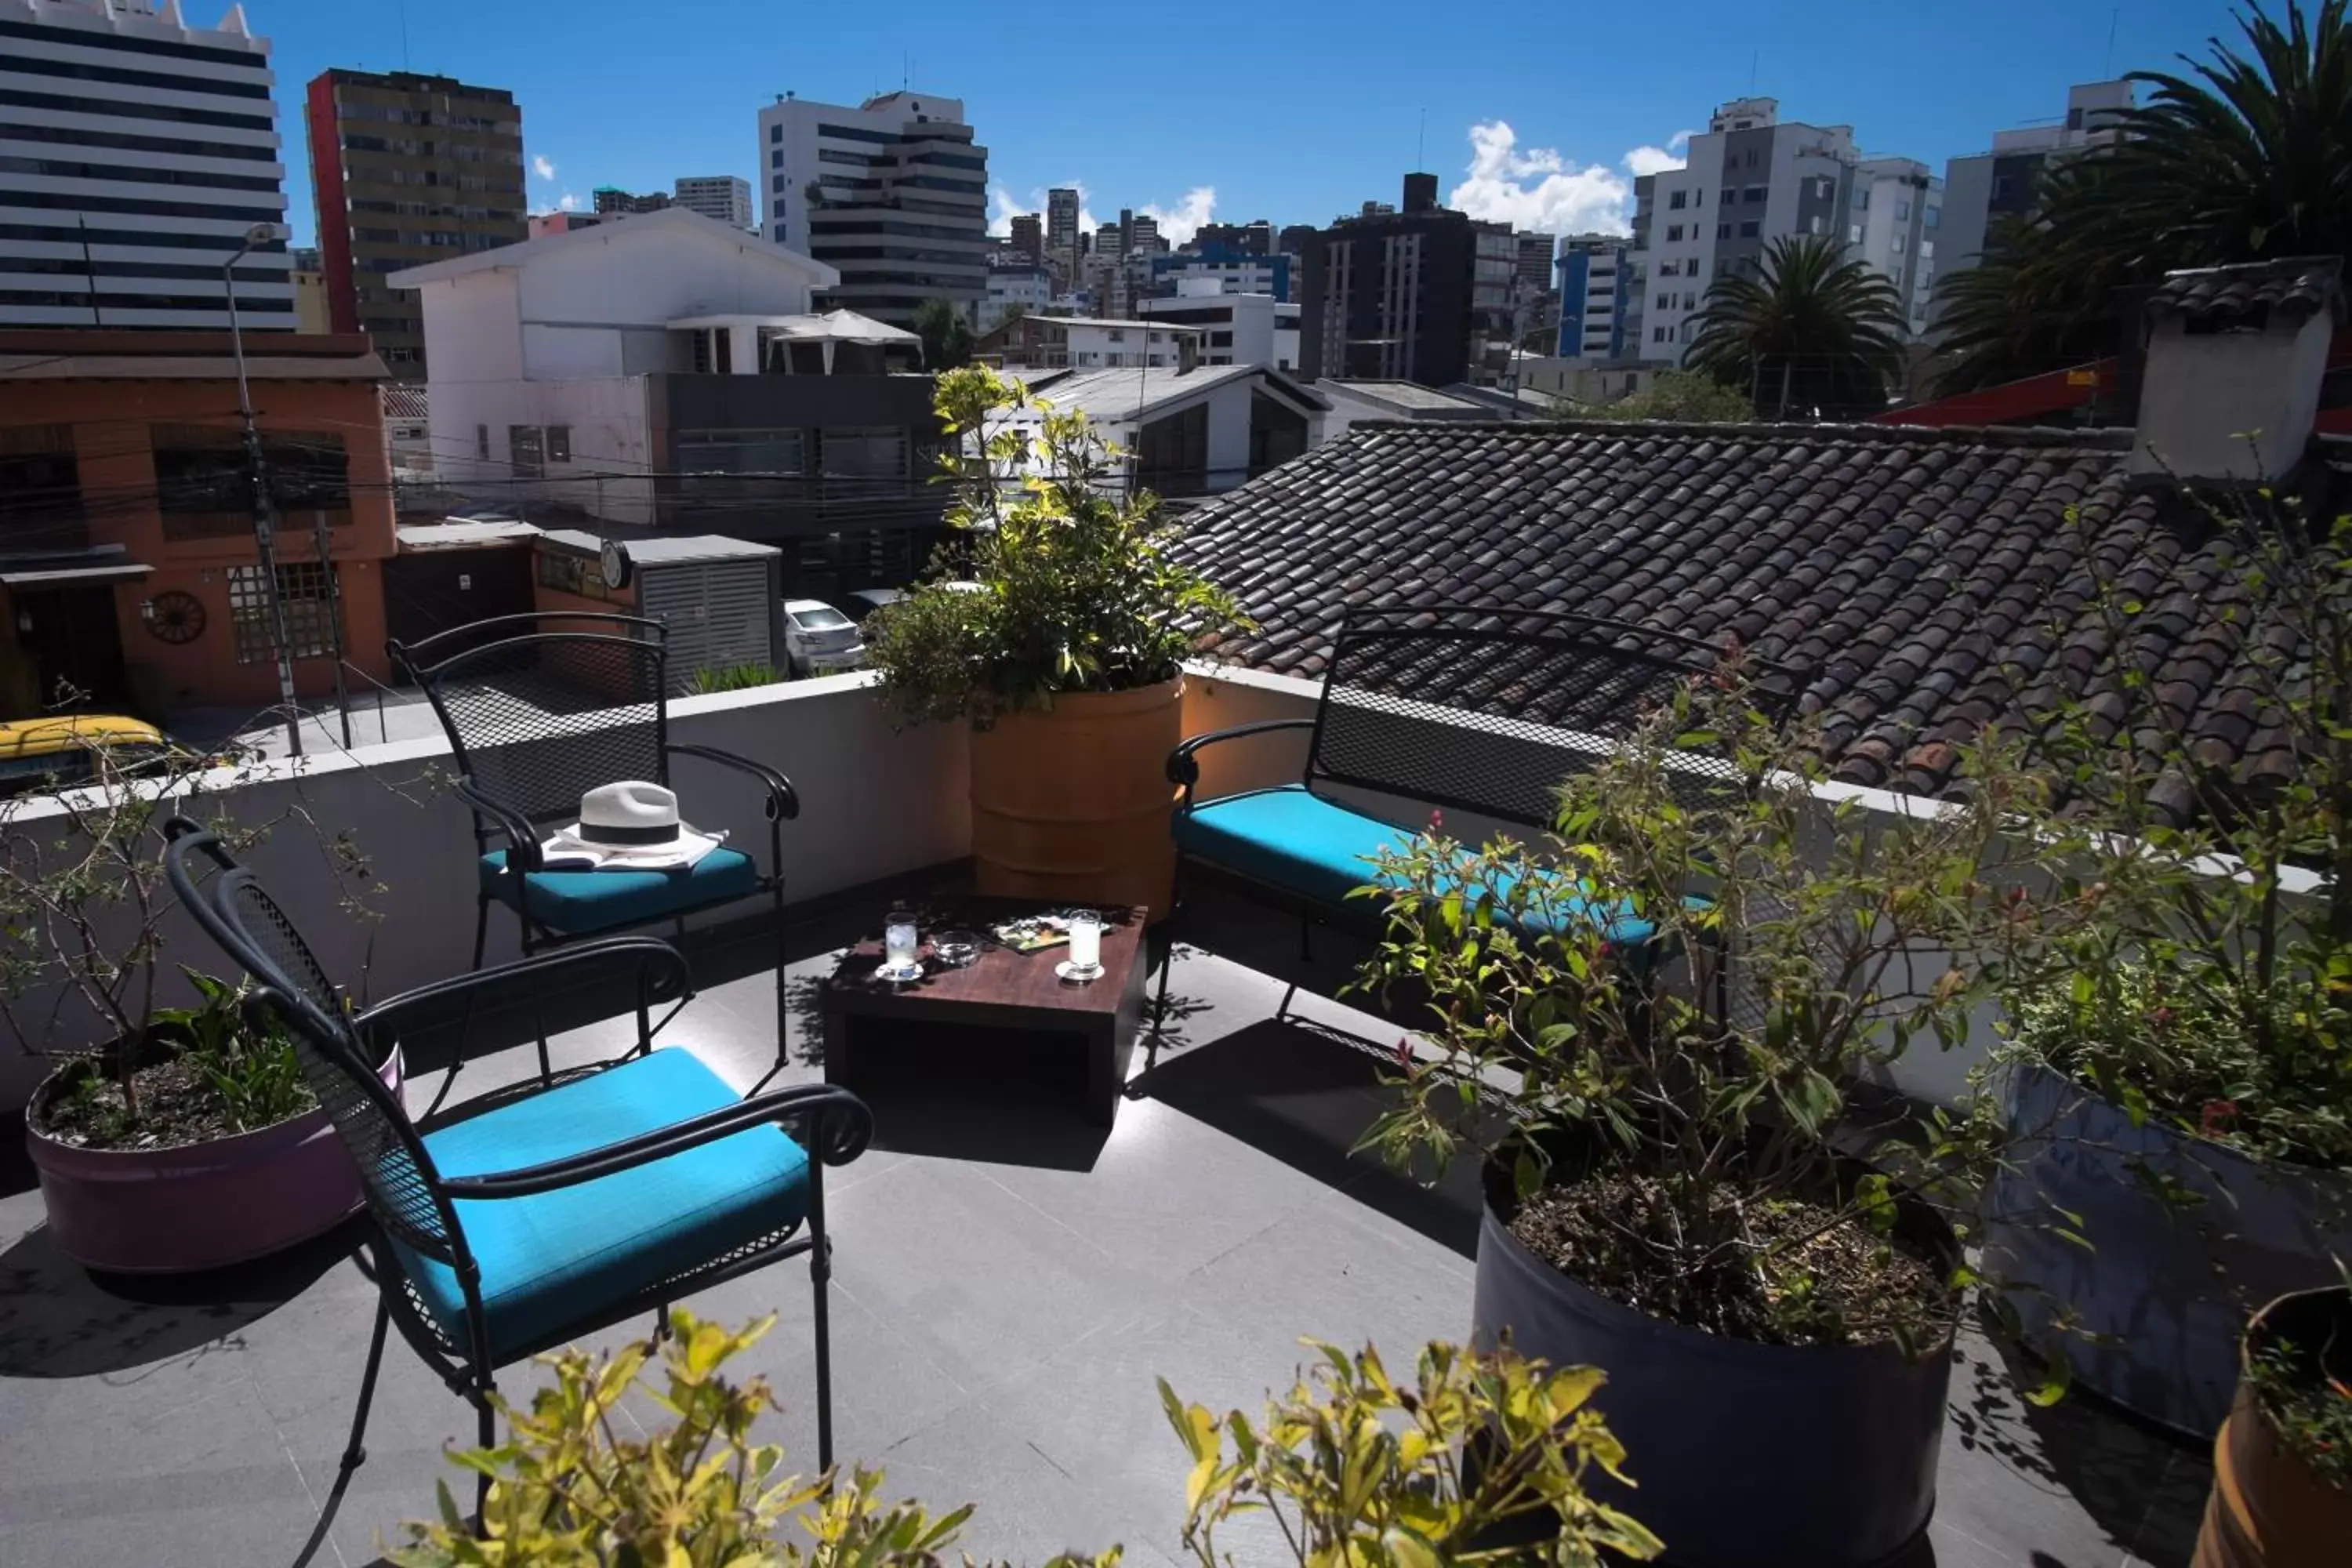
(717, 615)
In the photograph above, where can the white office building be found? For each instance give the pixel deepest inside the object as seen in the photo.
(135, 154)
(1981, 189)
(1026, 290)
(1236, 328)
(724, 197)
(892, 194)
(1894, 222)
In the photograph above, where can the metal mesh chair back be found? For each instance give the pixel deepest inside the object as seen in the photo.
(242, 917)
(1486, 710)
(562, 705)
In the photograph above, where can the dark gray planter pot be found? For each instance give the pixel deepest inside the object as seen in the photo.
(1741, 1452)
(2172, 1284)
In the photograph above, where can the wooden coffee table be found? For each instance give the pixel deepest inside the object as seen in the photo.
(1001, 990)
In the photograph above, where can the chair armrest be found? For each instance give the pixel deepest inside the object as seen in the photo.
(842, 1126)
(1183, 763)
(646, 955)
(783, 802)
(522, 838)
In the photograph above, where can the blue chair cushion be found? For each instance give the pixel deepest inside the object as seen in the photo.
(1321, 850)
(555, 1262)
(573, 902)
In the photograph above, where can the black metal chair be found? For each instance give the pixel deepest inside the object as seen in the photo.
(1475, 709)
(552, 1214)
(541, 708)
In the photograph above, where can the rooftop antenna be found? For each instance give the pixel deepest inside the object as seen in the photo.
(1753, 55)
(403, 34)
(1421, 141)
(2107, 61)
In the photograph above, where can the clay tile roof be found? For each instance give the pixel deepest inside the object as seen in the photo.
(2297, 286)
(1927, 582)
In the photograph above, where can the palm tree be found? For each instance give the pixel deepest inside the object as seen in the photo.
(1812, 332)
(2246, 158)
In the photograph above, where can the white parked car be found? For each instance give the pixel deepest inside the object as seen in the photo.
(820, 639)
(866, 601)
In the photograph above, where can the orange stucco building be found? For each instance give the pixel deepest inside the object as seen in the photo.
(128, 575)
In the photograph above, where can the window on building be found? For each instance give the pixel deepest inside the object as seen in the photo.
(1116, 336)
(1666, 301)
(1900, 240)
(1690, 301)
(526, 452)
(863, 452)
(1674, 232)
(1862, 199)
(1926, 250)
(307, 596)
(1678, 200)
(1755, 194)
(1752, 157)
(1723, 231)
(740, 452)
(1854, 234)
(1751, 228)
(776, 184)
(1933, 215)
(1902, 212)
(776, 158)
(559, 443)
(202, 483)
(776, 131)
(1730, 197)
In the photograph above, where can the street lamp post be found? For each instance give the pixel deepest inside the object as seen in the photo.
(265, 530)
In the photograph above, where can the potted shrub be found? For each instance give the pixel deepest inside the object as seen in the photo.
(1061, 641)
(1353, 1465)
(1650, 1028)
(2179, 1082)
(2283, 1465)
(188, 1140)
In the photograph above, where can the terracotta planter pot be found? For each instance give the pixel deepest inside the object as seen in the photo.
(2268, 1509)
(204, 1205)
(1072, 804)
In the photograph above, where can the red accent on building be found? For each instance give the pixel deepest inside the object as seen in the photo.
(334, 213)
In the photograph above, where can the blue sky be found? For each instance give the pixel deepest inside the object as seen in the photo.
(1291, 113)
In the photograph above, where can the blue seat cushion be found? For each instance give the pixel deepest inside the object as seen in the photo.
(555, 1262)
(1321, 850)
(577, 902)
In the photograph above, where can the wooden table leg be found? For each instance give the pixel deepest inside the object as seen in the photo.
(1106, 1072)
(837, 1046)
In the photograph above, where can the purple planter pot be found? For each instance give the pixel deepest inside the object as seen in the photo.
(203, 1206)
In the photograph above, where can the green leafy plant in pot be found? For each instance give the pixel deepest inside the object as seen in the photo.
(1650, 1027)
(186, 1139)
(2282, 1464)
(2180, 1079)
(1060, 638)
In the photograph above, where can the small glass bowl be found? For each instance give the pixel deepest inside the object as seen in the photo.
(955, 948)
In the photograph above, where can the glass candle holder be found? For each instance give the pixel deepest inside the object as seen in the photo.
(899, 939)
(1085, 941)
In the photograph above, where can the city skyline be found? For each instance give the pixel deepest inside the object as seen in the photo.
(1514, 137)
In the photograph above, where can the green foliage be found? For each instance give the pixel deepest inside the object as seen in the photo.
(253, 1072)
(1673, 398)
(2199, 919)
(1079, 589)
(1354, 1468)
(2246, 157)
(1814, 335)
(734, 677)
(946, 334)
(1360, 1470)
(1718, 1130)
(2304, 1390)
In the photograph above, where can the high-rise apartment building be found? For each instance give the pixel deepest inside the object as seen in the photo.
(407, 169)
(1532, 268)
(1029, 238)
(1982, 189)
(135, 154)
(1752, 178)
(892, 194)
(1062, 245)
(611, 201)
(1255, 239)
(1417, 293)
(1596, 285)
(725, 198)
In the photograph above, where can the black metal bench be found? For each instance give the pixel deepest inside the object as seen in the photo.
(1471, 709)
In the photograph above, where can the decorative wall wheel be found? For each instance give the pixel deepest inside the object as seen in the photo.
(179, 618)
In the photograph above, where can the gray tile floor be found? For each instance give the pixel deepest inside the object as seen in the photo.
(1009, 1281)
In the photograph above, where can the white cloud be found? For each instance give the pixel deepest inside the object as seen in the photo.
(542, 166)
(1179, 223)
(567, 202)
(1658, 160)
(1538, 188)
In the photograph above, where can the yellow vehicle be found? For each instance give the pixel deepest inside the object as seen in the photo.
(59, 751)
